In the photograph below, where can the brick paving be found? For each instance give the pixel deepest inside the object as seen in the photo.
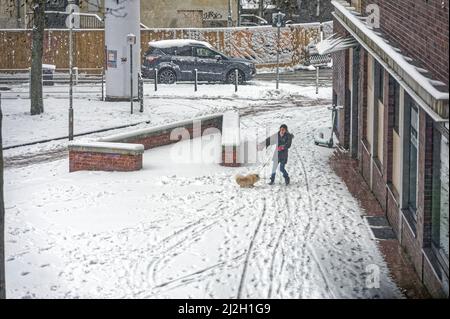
(400, 265)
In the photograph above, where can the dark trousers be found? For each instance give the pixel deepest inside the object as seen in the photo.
(282, 170)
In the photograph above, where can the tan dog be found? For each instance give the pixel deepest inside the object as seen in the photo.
(248, 181)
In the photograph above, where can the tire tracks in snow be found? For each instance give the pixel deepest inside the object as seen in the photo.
(249, 250)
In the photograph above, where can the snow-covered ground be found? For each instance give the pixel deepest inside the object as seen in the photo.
(170, 103)
(186, 230)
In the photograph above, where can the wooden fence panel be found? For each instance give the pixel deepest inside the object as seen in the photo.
(257, 44)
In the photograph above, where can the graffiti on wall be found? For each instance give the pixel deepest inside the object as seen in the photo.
(211, 15)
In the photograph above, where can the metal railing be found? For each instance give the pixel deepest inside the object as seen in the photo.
(17, 82)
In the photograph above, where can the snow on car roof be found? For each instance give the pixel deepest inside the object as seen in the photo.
(163, 44)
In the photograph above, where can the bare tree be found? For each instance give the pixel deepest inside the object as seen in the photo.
(2, 217)
(37, 51)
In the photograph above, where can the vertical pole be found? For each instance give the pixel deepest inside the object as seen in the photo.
(261, 8)
(230, 17)
(75, 69)
(236, 80)
(195, 80)
(103, 83)
(317, 79)
(131, 77)
(278, 56)
(239, 8)
(141, 93)
(333, 125)
(29, 86)
(156, 79)
(71, 79)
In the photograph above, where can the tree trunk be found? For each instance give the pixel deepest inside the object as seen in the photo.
(2, 217)
(37, 103)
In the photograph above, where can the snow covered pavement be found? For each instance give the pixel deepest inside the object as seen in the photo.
(187, 230)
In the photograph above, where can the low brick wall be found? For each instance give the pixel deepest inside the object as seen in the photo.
(231, 139)
(124, 152)
(230, 156)
(105, 157)
(161, 136)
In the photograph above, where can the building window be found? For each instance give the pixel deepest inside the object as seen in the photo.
(379, 82)
(413, 157)
(440, 228)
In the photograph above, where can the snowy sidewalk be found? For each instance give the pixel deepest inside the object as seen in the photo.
(179, 231)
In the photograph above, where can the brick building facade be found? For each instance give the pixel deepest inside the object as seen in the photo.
(393, 87)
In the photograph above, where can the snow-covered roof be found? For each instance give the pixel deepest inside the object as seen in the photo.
(107, 147)
(163, 44)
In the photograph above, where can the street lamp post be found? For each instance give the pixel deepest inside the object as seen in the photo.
(131, 40)
(278, 17)
(230, 17)
(71, 22)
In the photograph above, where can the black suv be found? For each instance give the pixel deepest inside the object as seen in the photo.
(177, 60)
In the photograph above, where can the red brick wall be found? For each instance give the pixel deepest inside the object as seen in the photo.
(162, 138)
(393, 212)
(362, 105)
(87, 161)
(379, 186)
(425, 179)
(410, 243)
(430, 280)
(230, 157)
(388, 128)
(365, 165)
(92, 161)
(420, 28)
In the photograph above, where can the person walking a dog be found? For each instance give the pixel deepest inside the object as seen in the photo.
(283, 141)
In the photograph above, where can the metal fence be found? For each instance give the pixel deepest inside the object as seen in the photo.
(16, 83)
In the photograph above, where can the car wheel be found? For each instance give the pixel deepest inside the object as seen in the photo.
(231, 77)
(167, 76)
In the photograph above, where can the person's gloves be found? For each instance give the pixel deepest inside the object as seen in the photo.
(280, 148)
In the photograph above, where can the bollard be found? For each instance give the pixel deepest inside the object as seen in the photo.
(317, 79)
(29, 86)
(195, 80)
(75, 69)
(103, 84)
(156, 79)
(236, 80)
(141, 93)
